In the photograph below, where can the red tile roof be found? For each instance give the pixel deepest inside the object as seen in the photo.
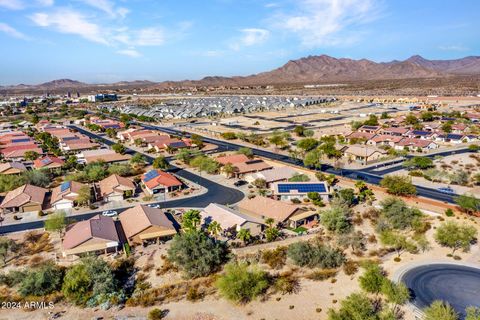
(162, 178)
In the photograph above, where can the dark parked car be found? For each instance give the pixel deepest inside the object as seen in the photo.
(240, 183)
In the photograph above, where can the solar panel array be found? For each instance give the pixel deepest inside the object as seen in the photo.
(21, 140)
(65, 186)
(178, 144)
(301, 187)
(150, 175)
(370, 127)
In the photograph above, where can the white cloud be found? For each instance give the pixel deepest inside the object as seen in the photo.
(250, 37)
(70, 22)
(326, 22)
(45, 3)
(453, 48)
(5, 28)
(150, 37)
(108, 7)
(12, 4)
(130, 52)
(153, 36)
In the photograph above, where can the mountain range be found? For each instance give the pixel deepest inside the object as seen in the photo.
(308, 70)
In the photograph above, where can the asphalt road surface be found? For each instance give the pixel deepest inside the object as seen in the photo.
(369, 177)
(216, 193)
(455, 284)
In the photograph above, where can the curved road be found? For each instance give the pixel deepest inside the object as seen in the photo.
(216, 193)
(456, 284)
(351, 173)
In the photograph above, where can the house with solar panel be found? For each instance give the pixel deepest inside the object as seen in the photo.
(157, 181)
(65, 195)
(287, 191)
(48, 162)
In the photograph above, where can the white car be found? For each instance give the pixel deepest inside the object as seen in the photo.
(156, 206)
(109, 213)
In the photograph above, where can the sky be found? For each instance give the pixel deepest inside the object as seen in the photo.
(103, 41)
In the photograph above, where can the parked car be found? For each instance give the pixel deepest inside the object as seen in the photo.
(109, 213)
(156, 206)
(240, 183)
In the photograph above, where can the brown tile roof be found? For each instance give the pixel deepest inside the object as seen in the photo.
(252, 166)
(267, 208)
(12, 165)
(115, 183)
(23, 195)
(233, 159)
(105, 155)
(63, 191)
(141, 217)
(98, 227)
(49, 162)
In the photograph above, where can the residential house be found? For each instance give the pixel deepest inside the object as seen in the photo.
(232, 159)
(26, 198)
(271, 175)
(420, 134)
(17, 153)
(384, 140)
(116, 188)
(64, 196)
(243, 165)
(288, 191)
(453, 138)
(48, 162)
(369, 129)
(363, 154)
(411, 143)
(394, 131)
(12, 168)
(355, 136)
(158, 181)
(104, 155)
(142, 224)
(95, 235)
(231, 220)
(287, 214)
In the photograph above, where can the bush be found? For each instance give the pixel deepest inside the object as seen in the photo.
(398, 185)
(350, 267)
(286, 284)
(275, 258)
(42, 281)
(449, 212)
(196, 254)
(156, 314)
(318, 255)
(241, 283)
(321, 275)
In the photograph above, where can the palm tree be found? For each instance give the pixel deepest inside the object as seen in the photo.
(269, 222)
(170, 149)
(214, 229)
(190, 220)
(229, 169)
(244, 235)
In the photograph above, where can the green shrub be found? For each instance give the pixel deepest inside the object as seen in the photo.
(318, 255)
(242, 283)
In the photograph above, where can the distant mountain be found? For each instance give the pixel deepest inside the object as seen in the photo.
(325, 68)
(311, 69)
(467, 65)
